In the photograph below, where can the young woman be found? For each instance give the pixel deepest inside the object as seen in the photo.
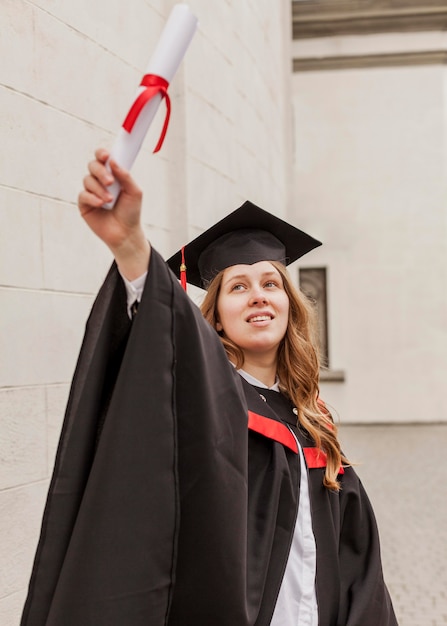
(199, 479)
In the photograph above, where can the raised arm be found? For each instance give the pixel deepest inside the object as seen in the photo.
(120, 228)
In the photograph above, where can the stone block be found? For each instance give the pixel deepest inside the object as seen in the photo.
(20, 519)
(155, 176)
(54, 167)
(17, 43)
(216, 130)
(74, 259)
(210, 75)
(43, 347)
(20, 263)
(23, 436)
(130, 31)
(11, 607)
(210, 27)
(216, 197)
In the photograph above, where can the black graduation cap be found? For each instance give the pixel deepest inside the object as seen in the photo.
(247, 235)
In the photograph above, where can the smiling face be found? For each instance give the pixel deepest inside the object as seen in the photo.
(253, 308)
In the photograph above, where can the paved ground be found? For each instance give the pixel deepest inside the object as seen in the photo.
(404, 470)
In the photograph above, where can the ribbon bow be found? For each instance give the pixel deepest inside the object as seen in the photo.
(154, 85)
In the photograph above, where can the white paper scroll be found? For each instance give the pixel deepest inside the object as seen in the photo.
(168, 54)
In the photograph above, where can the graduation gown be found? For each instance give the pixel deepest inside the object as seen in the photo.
(175, 489)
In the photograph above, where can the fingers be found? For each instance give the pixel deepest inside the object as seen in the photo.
(127, 183)
(99, 171)
(101, 155)
(95, 192)
(102, 172)
(96, 186)
(88, 201)
(101, 176)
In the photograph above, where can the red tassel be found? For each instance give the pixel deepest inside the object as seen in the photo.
(183, 270)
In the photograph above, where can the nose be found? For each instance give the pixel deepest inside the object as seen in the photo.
(258, 296)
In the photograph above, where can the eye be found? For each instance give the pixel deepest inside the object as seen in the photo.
(237, 287)
(271, 283)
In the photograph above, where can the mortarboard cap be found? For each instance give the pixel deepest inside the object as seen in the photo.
(247, 235)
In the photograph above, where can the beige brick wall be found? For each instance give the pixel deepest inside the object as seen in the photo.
(68, 72)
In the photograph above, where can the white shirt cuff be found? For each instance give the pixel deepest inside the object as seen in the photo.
(134, 290)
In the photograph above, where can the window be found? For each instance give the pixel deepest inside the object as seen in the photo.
(313, 283)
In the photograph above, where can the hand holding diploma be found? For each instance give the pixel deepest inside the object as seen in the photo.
(120, 229)
(172, 45)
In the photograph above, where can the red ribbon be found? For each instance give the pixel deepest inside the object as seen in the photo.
(154, 85)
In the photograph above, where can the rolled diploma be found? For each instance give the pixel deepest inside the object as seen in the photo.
(168, 54)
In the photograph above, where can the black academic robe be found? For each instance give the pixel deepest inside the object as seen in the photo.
(175, 488)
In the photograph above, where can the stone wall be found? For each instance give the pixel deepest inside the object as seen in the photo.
(68, 73)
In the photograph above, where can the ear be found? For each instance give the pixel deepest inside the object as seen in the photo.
(219, 327)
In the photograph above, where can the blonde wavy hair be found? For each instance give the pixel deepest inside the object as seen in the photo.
(298, 369)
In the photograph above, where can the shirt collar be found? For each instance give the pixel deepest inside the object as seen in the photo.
(257, 383)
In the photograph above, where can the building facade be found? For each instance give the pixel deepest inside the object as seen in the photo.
(369, 179)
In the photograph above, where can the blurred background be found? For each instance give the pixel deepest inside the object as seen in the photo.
(332, 114)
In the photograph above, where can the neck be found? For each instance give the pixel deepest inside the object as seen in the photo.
(263, 370)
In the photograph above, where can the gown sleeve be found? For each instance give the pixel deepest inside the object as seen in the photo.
(150, 481)
(364, 596)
